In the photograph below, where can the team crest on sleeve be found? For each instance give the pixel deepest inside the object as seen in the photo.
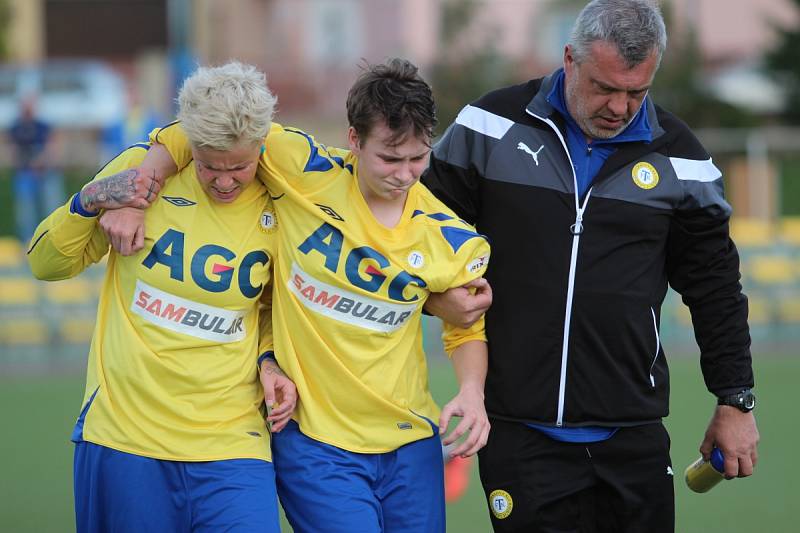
(477, 264)
(645, 175)
(501, 503)
(268, 222)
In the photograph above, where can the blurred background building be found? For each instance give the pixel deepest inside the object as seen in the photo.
(101, 73)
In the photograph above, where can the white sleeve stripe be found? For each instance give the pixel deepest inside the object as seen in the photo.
(484, 122)
(695, 170)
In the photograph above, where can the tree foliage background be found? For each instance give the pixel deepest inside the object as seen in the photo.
(5, 22)
(466, 67)
(783, 63)
(680, 85)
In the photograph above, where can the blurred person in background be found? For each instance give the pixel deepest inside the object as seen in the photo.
(171, 436)
(595, 200)
(366, 247)
(129, 129)
(38, 185)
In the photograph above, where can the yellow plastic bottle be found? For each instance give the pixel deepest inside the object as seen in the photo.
(702, 475)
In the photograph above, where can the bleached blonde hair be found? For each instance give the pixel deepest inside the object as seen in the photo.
(221, 107)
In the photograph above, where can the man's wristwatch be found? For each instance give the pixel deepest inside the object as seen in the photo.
(744, 400)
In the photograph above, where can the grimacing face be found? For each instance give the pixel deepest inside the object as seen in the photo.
(603, 95)
(224, 174)
(386, 171)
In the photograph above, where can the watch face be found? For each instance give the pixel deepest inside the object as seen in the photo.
(749, 401)
(745, 401)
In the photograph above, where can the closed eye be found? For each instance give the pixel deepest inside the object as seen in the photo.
(232, 169)
(607, 89)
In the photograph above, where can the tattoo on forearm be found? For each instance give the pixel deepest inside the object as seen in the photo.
(117, 190)
(151, 187)
(271, 369)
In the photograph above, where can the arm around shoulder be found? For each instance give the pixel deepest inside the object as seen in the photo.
(124, 226)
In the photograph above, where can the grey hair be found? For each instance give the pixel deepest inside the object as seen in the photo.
(220, 107)
(635, 27)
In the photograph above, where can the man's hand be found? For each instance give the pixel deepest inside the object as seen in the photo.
(124, 229)
(280, 395)
(461, 306)
(130, 188)
(736, 435)
(468, 404)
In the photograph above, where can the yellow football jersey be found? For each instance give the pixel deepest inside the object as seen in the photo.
(172, 366)
(349, 293)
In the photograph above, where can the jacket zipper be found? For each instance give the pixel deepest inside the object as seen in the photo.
(575, 229)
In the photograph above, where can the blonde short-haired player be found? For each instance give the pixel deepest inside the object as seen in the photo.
(171, 436)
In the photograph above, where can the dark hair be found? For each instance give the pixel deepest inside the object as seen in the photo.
(392, 92)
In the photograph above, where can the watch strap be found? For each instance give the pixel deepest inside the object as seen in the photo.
(743, 400)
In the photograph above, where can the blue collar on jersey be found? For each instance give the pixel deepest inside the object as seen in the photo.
(588, 157)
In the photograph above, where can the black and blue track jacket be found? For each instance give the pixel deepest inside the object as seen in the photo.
(578, 282)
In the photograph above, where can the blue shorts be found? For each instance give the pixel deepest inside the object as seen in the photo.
(126, 493)
(325, 488)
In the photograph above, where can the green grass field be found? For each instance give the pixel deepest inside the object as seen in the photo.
(38, 413)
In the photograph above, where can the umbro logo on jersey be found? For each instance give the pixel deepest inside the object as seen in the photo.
(177, 200)
(525, 148)
(330, 212)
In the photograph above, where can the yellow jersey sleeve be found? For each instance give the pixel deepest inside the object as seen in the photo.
(472, 259)
(291, 156)
(173, 138)
(453, 337)
(298, 159)
(67, 242)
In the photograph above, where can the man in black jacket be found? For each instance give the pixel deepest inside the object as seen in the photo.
(595, 200)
